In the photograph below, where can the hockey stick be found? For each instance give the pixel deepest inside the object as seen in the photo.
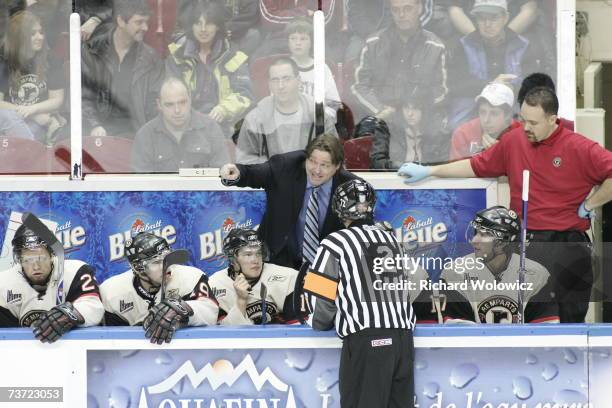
(298, 292)
(176, 257)
(521, 293)
(33, 223)
(263, 293)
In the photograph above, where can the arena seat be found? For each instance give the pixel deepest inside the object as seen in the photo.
(357, 153)
(19, 156)
(161, 25)
(107, 154)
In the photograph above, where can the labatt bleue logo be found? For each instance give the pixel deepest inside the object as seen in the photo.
(117, 241)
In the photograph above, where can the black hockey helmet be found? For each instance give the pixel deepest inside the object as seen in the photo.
(370, 125)
(239, 238)
(25, 238)
(502, 223)
(144, 247)
(354, 200)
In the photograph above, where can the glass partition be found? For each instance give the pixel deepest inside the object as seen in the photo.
(34, 87)
(432, 81)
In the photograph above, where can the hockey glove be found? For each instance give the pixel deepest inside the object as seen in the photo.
(57, 321)
(164, 318)
(413, 172)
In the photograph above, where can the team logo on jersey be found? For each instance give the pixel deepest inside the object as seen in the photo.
(556, 162)
(219, 292)
(254, 312)
(13, 297)
(173, 293)
(498, 309)
(30, 317)
(277, 278)
(125, 306)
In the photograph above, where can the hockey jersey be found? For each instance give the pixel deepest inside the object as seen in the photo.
(279, 281)
(22, 305)
(126, 302)
(477, 295)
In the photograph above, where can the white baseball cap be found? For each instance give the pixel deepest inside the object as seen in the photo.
(497, 94)
(489, 6)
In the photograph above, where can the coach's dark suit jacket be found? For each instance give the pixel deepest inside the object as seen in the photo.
(283, 178)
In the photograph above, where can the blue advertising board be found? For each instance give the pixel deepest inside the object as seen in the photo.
(95, 225)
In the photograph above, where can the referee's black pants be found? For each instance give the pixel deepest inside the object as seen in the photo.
(376, 369)
(567, 256)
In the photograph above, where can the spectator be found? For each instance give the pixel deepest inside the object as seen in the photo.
(522, 14)
(491, 53)
(282, 122)
(241, 25)
(290, 180)
(565, 166)
(179, 137)
(416, 135)
(276, 14)
(494, 119)
(121, 74)
(216, 74)
(31, 82)
(494, 235)
(396, 60)
(299, 36)
(540, 79)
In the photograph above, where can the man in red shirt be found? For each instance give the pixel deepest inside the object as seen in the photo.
(564, 167)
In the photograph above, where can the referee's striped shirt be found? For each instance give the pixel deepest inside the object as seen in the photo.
(368, 294)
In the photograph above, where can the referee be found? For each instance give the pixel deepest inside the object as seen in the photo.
(374, 316)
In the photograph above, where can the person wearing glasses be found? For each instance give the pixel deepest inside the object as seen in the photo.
(282, 122)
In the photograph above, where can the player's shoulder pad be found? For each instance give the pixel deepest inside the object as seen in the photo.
(117, 284)
(276, 273)
(219, 277)
(536, 272)
(74, 266)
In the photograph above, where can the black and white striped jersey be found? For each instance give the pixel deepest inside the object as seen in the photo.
(372, 287)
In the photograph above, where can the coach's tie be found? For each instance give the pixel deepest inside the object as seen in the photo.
(311, 227)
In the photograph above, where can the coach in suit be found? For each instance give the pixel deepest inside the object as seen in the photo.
(299, 186)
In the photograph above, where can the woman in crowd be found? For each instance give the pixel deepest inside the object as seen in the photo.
(31, 82)
(215, 72)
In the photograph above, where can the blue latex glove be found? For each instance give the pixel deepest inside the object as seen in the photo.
(584, 213)
(413, 172)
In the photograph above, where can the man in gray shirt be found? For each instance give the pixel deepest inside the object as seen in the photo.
(179, 137)
(282, 122)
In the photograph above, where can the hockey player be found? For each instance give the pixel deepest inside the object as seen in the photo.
(31, 291)
(249, 284)
(134, 297)
(491, 276)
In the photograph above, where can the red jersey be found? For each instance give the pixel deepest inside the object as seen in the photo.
(563, 168)
(467, 139)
